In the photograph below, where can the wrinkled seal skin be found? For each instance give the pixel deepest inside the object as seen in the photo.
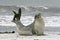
(35, 28)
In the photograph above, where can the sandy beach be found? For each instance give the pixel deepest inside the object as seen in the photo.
(15, 36)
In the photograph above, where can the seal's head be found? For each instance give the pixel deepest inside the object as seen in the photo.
(37, 16)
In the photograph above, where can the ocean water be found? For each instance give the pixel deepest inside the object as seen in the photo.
(50, 15)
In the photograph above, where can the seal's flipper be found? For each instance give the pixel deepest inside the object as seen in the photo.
(14, 12)
(14, 15)
(19, 11)
(17, 16)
